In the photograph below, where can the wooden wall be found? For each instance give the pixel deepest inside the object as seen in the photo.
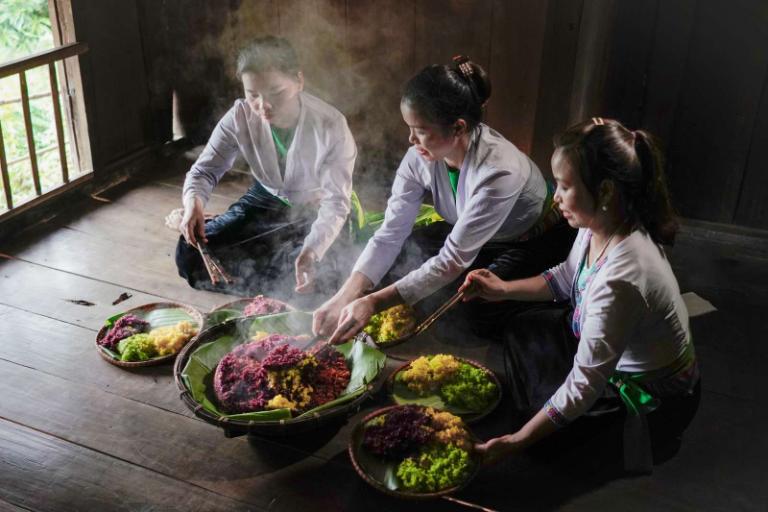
(692, 71)
(695, 72)
(356, 54)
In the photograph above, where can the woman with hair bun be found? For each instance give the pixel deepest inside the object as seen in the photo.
(496, 204)
(627, 328)
(301, 154)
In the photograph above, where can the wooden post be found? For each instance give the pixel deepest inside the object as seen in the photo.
(30, 133)
(59, 124)
(4, 172)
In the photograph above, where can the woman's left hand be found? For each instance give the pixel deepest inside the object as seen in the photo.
(497, 448)
(305, 271)
(352, 319)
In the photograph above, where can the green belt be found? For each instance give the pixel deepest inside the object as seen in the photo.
(639, 402)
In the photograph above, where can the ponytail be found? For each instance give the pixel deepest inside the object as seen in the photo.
(654, 206)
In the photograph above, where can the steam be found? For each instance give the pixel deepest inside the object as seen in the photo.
(363, 86)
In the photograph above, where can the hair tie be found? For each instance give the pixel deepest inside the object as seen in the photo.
(463, 65)
(598, 121)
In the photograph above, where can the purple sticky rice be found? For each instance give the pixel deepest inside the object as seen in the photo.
(126, 325)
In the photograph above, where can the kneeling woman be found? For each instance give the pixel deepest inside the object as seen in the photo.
(495, 201)
(629, 323)
(300, 152)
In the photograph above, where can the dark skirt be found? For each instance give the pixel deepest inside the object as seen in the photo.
(257, 241)
(539, 347)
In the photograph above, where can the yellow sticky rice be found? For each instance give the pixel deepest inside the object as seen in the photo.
(449, 429)
(171, 338)
(289, 380)
(426, 374)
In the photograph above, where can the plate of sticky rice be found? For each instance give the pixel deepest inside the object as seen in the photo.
(148, 335)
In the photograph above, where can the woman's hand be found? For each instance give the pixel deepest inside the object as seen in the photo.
(325, 319)
(498, 448)
(484, 284)
(192, 225)
(352, 319)
(305, 270)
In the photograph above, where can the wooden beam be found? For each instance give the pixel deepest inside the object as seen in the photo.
(42, 58)
(4, 172)
(59, 124)
(30, 133)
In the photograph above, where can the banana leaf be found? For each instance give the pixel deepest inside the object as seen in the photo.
(365, 363)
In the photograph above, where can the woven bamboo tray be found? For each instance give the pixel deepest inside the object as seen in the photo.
(467, 418)
(234, 427)
(141, 312)
(355, 450)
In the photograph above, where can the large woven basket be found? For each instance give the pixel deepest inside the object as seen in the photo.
(236, 427)
(141, 311)
(468, 418)
(355, 448)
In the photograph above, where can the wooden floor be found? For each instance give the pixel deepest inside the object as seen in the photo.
(79, 434)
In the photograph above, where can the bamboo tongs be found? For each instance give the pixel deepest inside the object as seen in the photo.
(212, 264)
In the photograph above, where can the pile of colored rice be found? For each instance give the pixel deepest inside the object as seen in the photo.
(432, 448)
(269, 373)
(458, 383)
(133, 340)
(392, 323)
(261, 305)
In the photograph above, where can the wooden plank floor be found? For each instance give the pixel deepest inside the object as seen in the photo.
(79, 434)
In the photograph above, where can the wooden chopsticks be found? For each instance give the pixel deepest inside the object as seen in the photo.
(427, 322)
(213, 266)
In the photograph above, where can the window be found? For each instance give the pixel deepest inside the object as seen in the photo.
(43, 140)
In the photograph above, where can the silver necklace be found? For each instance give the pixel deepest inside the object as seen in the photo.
(605, 245)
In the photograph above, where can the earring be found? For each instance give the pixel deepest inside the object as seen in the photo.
(604, 208)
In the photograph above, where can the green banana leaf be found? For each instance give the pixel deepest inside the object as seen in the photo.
(373, 221)
(365, 363)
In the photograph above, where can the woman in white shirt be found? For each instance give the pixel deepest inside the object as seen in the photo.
(494, 199)
(629, 323)
(301, 154)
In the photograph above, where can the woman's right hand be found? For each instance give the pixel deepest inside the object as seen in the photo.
(484, 284)
(192, 225)
(326, 317)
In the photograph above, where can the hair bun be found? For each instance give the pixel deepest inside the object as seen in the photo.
(475, 76)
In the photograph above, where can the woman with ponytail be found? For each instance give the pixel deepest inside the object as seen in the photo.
(496, 204)
(626, 326)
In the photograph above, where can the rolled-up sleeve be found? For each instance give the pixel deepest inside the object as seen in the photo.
(486, 212)
(336, 182)
(612, 312)
(402, 208)
(216, 159)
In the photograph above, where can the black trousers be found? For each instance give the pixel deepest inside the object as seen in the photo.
(257, 241)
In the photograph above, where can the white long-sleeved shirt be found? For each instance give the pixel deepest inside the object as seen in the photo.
(318, 168)
(633, 319)
(500, 195)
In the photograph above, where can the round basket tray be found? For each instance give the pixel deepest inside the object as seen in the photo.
(234, 426)
(142, 312)
(232, 309)
(363, 465)
(472, 417)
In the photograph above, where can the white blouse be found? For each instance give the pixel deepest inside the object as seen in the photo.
(500, 195)
(318, 168)
(633, 318)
